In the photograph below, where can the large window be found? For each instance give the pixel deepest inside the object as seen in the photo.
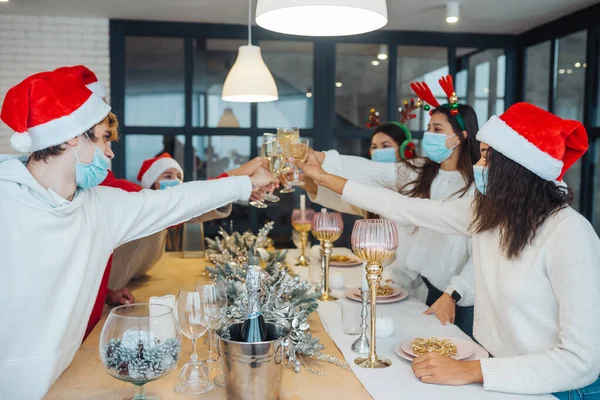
(361, 82)
(154, 81)
(420, 64)
(213, 59)
(486, 83)
(537, 74)
(291, 64)
(570, 76)
(569, 96)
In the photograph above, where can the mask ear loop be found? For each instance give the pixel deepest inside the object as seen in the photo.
(74, 152)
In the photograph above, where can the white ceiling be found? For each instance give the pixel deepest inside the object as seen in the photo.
(481, 16)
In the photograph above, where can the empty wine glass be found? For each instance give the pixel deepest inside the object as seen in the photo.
(140, 343)
(193, 322)
(272, 152)
(301, 222)
(214, 297)
(374, 241)
(327, 227)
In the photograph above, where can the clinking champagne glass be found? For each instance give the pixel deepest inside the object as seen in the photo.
(374, 241)
(284, 136)
(287, 187)
(327, 227)
(301, 222)
(298, 149)
(271, 151)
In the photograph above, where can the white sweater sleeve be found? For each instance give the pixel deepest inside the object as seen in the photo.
(360, 169)
(464, 282)
(572, 264)
(131, 216)
(450, 217)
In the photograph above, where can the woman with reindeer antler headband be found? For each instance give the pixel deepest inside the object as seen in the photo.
(535, 259)
(443, 261)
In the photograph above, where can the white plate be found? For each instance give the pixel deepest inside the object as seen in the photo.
(464, 348)
(478, 354)
(396, 291)
(349, 293)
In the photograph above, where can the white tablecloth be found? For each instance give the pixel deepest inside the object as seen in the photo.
(397, 381)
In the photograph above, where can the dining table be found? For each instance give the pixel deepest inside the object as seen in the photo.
(86, 377)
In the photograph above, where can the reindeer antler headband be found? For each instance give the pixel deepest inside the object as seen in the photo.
(422, 90)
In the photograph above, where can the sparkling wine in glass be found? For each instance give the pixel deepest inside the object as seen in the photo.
(327, 227)
(193, 320)
(301, 222)
(374, 241)
(285, 136)
(272, 152)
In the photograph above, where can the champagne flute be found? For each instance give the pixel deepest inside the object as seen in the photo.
(214, 298)
(285, 135)
(374, 241)
(301, 222)
(271, 150)
(327, 227)
(193, 322)
(287, 187)
(298, 149)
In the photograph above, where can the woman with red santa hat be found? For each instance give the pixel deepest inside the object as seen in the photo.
(536, 260)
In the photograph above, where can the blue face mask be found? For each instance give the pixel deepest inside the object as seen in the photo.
(384, 155)
(91, 175)
(481, 178)
(434, 146)
(165, 183)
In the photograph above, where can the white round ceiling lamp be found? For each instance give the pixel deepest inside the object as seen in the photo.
(452, 12)
(321, 17)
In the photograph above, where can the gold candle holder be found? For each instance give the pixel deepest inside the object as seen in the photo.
(373, 271)
(301, 222)
(327, 227)
(374, 241)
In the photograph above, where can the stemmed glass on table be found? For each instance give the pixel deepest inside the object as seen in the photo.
(214, 296)
(374, 241)
(193, 321)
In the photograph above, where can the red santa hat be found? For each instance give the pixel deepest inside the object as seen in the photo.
(154, 167)
(543, 143)
(49, 109)
(87, 77)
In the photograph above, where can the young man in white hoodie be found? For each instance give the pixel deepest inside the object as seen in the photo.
(59, 228)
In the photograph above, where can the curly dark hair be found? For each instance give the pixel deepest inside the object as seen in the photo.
(421, 186)
(517, 202)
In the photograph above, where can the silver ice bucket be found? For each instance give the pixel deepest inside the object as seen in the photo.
(253, 370)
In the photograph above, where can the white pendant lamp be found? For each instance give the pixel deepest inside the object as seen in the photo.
(249, 80)
(321, 17)
(228, 120)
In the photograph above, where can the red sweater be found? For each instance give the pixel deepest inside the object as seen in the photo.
(96, 314)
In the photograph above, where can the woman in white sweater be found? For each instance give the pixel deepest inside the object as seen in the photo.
(442, 260)
(536, 260)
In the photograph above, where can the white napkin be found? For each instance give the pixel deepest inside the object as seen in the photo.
(160, 326)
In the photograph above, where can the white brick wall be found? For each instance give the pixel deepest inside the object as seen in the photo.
(32, 44)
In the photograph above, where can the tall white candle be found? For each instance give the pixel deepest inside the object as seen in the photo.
(302, 202)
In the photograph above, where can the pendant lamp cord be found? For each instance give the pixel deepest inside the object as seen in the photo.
(249, 22)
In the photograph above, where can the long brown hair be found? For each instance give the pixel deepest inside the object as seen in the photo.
(421, 186)
(517, 202)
